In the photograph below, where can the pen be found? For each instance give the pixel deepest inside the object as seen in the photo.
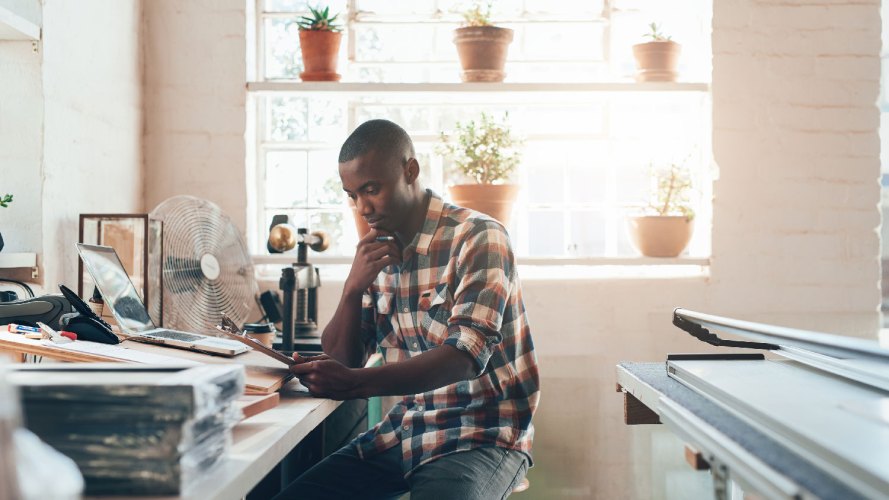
(14, 328)
(385, 238)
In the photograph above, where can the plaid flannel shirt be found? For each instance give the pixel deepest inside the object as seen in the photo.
(457, 285)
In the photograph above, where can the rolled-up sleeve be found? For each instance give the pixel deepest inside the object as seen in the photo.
(485, 269)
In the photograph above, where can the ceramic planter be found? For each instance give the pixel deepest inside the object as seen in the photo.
(320, 52)
(482, 51)
(495, 200)
(657, 61)
(660, 235)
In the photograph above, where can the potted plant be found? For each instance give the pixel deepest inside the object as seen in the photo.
(481, 46)
(657, 59)
(666, 227)
(319, 42)
(484, 153)
(4, 202)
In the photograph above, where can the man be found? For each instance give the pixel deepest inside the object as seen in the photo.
(434, 287)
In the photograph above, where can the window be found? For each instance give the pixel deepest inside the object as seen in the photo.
(590, 133)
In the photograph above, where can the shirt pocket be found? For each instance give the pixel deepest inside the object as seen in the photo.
(386, 335)
(434, 311)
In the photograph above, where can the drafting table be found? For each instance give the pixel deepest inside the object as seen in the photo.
(811, 423)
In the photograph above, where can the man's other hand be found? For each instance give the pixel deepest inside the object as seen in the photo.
(327, 378)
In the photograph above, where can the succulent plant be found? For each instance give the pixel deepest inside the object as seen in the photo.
(320, 20)
(5, 200)
(655, 34)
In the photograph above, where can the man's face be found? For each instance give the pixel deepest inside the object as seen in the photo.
(378, 185)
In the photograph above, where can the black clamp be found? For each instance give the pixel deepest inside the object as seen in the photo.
(699, 332)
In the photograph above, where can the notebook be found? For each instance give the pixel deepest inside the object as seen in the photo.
(128, 309)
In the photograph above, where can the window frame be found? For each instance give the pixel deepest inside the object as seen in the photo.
(257, 87)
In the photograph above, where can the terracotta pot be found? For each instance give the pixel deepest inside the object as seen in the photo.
(361, 225)
(482, 51)
(657, 61)
(495, 200)
(320, 51)
(660, 235)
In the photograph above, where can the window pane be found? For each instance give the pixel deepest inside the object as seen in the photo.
(323, 180)
(587, 234)
(287, 119)
(286, 179)
(546, 231)
(338, 226)
(282, 57)
(303, 5)
(587, 173)
(327, 120)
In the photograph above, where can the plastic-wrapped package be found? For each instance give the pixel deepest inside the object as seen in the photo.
(29, 468)
(131, 428)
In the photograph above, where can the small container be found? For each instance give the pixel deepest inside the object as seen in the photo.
(263, 332)
(96, 303)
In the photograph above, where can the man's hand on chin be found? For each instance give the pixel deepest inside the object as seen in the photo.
(328, 378)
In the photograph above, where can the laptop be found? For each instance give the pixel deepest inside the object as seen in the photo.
(120, 295)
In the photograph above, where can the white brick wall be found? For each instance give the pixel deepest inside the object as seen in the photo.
(93, 124)
(70, 128)
(195, 69)
(21, 146)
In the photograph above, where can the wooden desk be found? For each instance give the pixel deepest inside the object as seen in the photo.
(263, 374)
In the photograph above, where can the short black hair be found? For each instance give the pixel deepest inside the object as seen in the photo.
(377, 135)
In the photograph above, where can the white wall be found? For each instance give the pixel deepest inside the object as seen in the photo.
(93, 122)
(795, 237)
(21, 146)
(195, 70)
(70, 128)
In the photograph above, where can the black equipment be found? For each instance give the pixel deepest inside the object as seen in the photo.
(299, 283)
(85, 323)
(46, 309)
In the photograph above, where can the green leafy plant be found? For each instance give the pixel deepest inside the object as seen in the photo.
(655, 34)
(478, 15)
(672, 190)
(320, 20)
(5, 200)
(484, 151)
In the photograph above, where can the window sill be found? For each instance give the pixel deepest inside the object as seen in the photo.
(336, 269)
(362, 88)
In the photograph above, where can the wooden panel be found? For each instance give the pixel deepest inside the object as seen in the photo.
(695, 459)
(636, 413)
(254, 404)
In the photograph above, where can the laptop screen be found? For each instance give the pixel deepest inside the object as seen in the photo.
(117, 290)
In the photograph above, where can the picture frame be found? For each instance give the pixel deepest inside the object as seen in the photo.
(128, 234)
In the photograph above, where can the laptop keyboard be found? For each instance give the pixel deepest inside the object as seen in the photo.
(174, 335)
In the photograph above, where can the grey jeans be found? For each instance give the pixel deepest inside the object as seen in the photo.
(482, 473)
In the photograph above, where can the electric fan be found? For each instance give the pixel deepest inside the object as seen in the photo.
(206, 269)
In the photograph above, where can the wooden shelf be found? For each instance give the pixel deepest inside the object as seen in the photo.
(383, 88)
(15, 27)
(13, 260)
